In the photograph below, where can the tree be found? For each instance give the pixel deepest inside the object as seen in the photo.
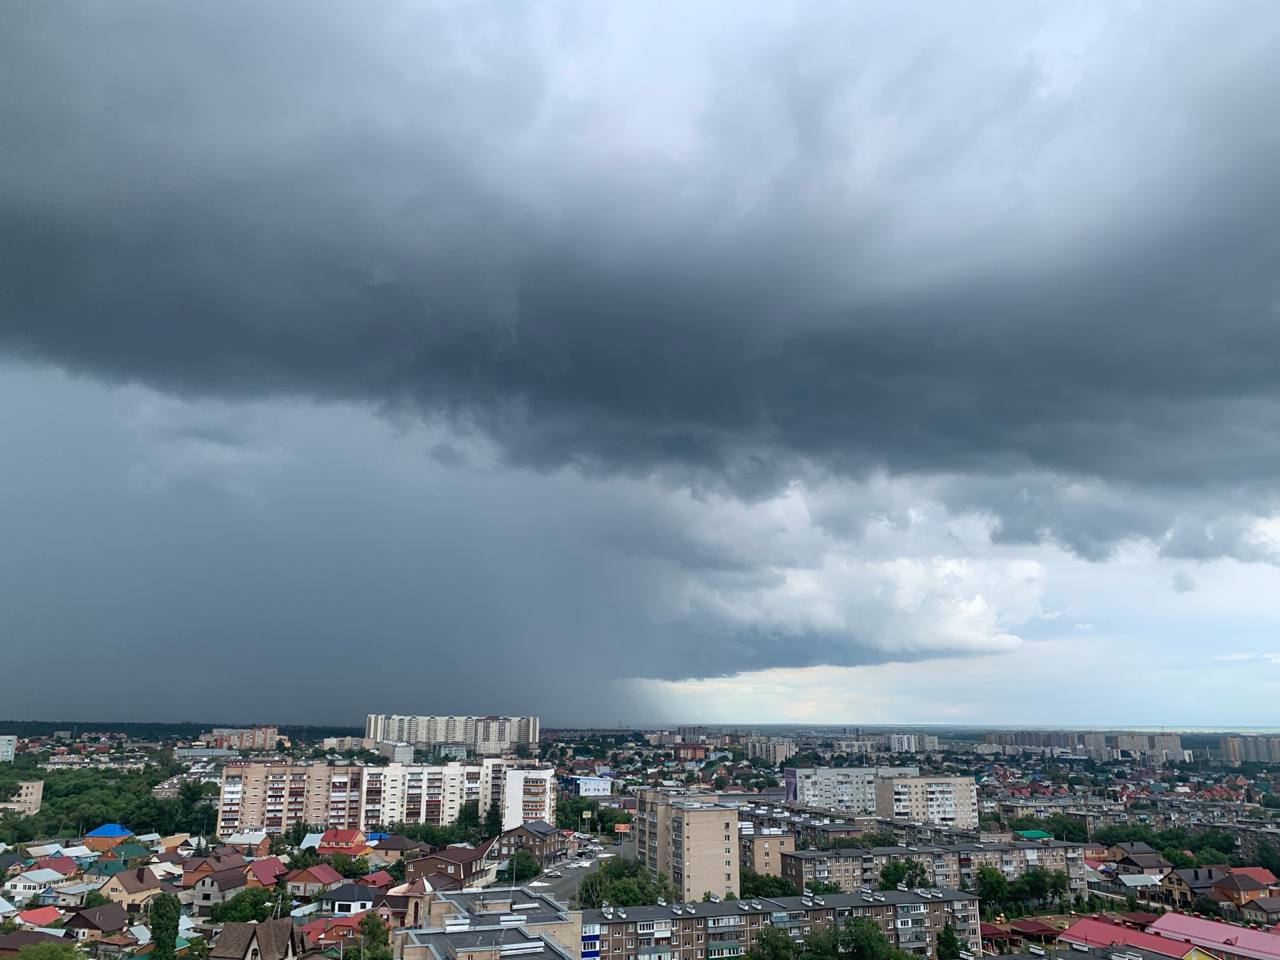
(250, 904)
(469, 816)
(522, 866)
(95, 899)
(49, 951)
(862, 939)
(773, 944)
(754, 884)
(374, 940)
(910, 872)
(623, 882)
(492, 821)
(163, 918)
(823, 886)
(350, 867)
(949, 945)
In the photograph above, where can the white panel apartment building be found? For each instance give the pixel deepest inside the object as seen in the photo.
(849, 790)
(949, 801)
(8, 746)
(274, 796)
(528, 795)
(486, 736)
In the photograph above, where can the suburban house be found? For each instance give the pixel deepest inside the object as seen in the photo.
(349, 898)
(39, 917)
(1181, 888)
(350, 842)
(132, 888)
(215, 888)
(1262, 910)
(107, 836)
(395, 847)
(26, 885)
(94, 923)
(193, 870)
(310, 881)
(251, 843)
(11, 943)
(264, 872)
(269, 940)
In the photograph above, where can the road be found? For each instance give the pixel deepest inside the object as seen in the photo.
(565, 888)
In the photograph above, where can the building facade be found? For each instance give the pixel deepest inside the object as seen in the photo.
(485, 736)
(944, 866)
(26, 802)
(234, 738)
(274, 796)
(691, 840)
(949, 801)
(8, 747)
(712, 931)
(849, 790)
(528, 795)
(761, 850)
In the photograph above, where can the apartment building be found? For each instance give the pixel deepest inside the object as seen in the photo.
(235, 738)
(762, 850)
(485, 736)
(1234, 750)
(528, 795)
(945, 866)
(949, 801)
(771, 750)
(690, 839)
(8, 747)
(912, 743)
(850, 790)
(274, 796)
(910, 919)
(26, 802)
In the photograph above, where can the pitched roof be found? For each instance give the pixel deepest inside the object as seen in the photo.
(273, 939)
(110, 830)
(341, 836)
(266, 870)
(351, 892)
(1242, 941)
(64, 865)
(40, 916)
(223, 879)
(1261, 874)
(379, 878)
(137, 880)
(318, 873)
(1102, 933)
(105, 916)
(13, 942)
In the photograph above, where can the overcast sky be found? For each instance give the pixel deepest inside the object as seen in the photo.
(881, 362)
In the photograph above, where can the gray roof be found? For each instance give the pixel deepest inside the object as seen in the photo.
(479, 904)
(764, 905)
(443, 944)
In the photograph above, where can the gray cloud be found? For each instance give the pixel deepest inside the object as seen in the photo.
(1024, 256)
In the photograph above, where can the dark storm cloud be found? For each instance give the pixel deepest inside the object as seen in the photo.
(235, 201)
(1024, 256)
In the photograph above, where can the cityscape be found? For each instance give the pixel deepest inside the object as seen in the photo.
(635, 480)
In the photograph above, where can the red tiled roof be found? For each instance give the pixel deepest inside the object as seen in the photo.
(319, 873)
(40, 916)
(64, 865)
(1261, 874)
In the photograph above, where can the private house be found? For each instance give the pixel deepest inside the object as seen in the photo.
(395, 847)
(250, 843)
(264, 872)
(269, 940)
(200, 867)
(107, 836)
(131, 888)
(1261, 910)
(1181, 888)
(94, 923)
(215, 888)
(350, 842)
(348, 899)
(311, 881)
(30, 884)
(39, 917)
(11, 943)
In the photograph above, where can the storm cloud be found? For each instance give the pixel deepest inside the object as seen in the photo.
(777, 303)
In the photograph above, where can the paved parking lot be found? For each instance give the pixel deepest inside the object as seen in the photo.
(565, 887)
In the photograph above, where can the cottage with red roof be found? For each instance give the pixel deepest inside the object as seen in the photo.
(312, 881)
(350, 842)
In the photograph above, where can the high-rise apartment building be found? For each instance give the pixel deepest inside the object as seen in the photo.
(770, 749)
(486, 736)
(692, 840)
(528, 795)
(235, 738)
(849, 790)
(1250, 749)
(8, 747)
(949, 801)
(275, 796)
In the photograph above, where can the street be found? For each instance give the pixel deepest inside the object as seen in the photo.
(565, 888)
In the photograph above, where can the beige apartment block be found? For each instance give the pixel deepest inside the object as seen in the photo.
(691, 840)
(761, 850)
(949, 801)
(486, 736)
(26, 802)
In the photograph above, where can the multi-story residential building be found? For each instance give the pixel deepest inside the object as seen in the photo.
(945, 865)
(528, 795)
(274, 796)
(690, 839)
(8, 747)
(950, 801)
(762, 850)
(486, 736)
(712, 931)
(1234, 750)
(912, 743)
(26, 802)
(591, 786)
(770, 749)
(846, 789)
(234, 738)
